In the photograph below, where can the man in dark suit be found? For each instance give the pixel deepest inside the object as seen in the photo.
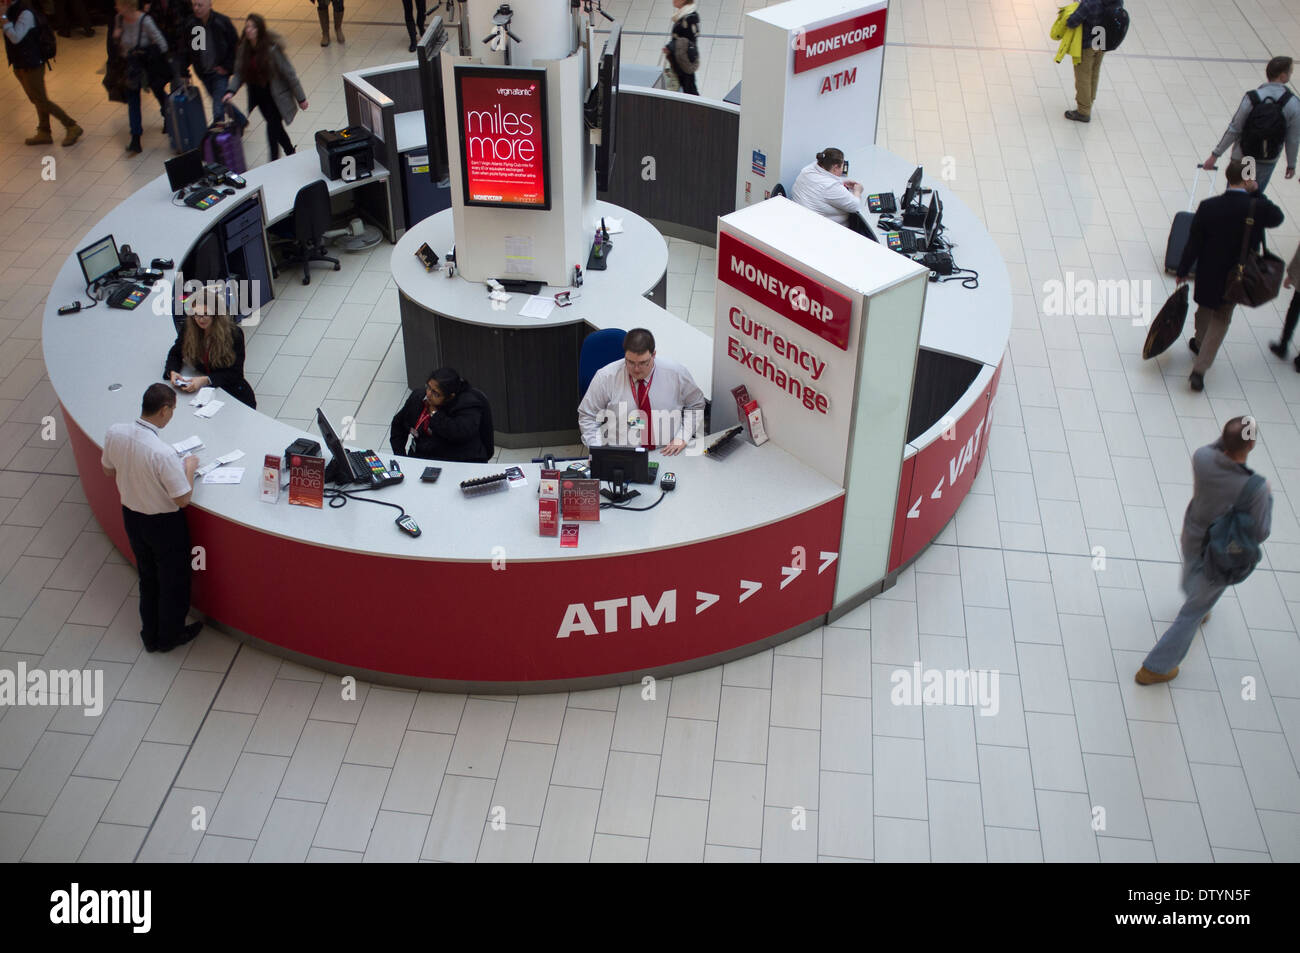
(1214, 247)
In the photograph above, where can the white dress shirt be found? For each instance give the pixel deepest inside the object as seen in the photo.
(149, 473)
(825, 194)
(610, 400)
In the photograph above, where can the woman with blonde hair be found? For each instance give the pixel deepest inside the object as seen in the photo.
(213, 346)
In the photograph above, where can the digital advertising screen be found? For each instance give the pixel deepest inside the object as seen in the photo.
(502, 118)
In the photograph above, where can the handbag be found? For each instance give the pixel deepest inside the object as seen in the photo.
(670, 80)
(1257, 279)
(115, 79)
(1168, 325)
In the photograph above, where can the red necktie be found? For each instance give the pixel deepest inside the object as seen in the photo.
(643, 404)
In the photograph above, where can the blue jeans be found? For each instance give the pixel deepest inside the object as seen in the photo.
(216, 85)
(1201, 597)
(133, 116)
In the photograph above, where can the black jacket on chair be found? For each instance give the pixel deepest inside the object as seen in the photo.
(1214, 243)
(461, 430)
(230, 379)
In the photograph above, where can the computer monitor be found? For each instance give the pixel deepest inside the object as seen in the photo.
(99, 260)
(933, 219)
(431, 96)
(620, 466)
(339, 468)
(607, 86)
(912, 191)
(185, 169)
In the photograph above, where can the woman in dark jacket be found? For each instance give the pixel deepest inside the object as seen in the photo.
(136, 38)
(213, 345)
(273, 86)
(686, 30)
(449, 421)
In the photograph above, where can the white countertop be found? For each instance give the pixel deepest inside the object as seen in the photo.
(610, 299)
(88, 351)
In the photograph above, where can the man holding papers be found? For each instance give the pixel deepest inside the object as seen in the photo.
(155, 486)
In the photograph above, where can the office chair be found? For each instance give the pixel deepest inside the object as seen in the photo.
(598, 349)
(311, 217)
(778, 189)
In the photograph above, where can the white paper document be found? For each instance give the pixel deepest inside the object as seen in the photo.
(222, 460)
(210, 409)
(188, 445)
(537, 306)
(225, 475)
(204, 395)
(613, 225)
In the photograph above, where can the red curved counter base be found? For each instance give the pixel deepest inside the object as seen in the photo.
(466, 622)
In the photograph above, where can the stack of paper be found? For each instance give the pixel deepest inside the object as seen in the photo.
(225, 475)
(210, 409)
(537, 306)
(222, 460)
(188, 445)
(204, 395)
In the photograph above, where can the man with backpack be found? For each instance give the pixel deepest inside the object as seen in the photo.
(1266, 123)
(1230, 514)
(30, 45)
(1105, 24)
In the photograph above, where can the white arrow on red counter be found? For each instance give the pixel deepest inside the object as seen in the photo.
(915, 512)
(827, 559)
(791, 574)
(706, 599)
(938, 490)
(750, 588)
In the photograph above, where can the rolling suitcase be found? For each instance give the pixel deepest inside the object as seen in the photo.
(187, 125)
(1179, 232)
(225, 146)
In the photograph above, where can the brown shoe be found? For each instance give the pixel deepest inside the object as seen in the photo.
(1147, 677)
(72, 134)
(338, 27)
(42, 138)
(324, 26)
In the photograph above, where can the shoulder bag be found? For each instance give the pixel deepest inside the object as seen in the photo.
(1257, 277)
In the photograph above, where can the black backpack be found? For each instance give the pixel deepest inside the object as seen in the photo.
(46, 41)
(1265, 131)
(1114, 24)
(1230, 551)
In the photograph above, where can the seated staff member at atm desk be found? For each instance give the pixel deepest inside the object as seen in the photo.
(213, 345)
(655, 395)
(821, 186)
(449, 421)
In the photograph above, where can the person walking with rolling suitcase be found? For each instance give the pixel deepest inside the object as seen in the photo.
(1232, 505)
(1214, 246)
(209, 50)
(1266, 124)
(273, 85)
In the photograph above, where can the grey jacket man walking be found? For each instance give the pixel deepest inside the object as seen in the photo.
(1219, 472)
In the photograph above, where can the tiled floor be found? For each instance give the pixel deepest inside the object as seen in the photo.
(1059, 570)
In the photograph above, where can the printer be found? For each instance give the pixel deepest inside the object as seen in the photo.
(336, 147)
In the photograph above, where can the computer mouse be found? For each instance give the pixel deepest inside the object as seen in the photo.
(227, 191)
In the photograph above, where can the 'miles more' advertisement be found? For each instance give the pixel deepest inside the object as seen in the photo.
(503, 137)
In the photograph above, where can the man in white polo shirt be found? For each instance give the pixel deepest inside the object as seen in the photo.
(653, 398)
(820, 187)
(155, 487)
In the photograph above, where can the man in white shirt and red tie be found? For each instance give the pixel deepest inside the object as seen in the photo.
(642, 399)
(155, 487)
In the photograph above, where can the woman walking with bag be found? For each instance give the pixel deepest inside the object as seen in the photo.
(136, 39)
(682, 51)
(273, 86)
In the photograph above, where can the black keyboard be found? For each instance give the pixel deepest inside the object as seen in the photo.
(371, 470)
(884, 202)
(725, 444)
(127, 296)
(903, 242)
